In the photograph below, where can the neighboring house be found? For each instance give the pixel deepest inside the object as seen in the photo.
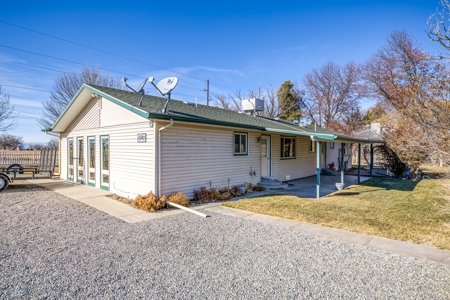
(373, 131)
(108, 141)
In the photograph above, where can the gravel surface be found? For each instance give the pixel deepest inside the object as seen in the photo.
(55, 247)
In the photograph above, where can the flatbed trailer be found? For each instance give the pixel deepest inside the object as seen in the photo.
(5, 181)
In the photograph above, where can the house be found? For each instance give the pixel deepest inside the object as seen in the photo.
(109, 141)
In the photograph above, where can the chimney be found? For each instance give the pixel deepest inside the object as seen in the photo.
(375, 127)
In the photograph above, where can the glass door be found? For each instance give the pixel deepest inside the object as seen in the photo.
(104, 156)
(91, 161)
(70, 159)
(80, 165)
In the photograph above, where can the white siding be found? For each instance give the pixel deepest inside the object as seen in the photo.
(131, 163)
(88, 118)
(110, 115)
(194, 156)
(333, 155)
(303, 165)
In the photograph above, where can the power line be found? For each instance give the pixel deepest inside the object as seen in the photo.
(108, 52)
(74, 62)
(97, 49)
(28, 65)
(23, 88)
(66, 60)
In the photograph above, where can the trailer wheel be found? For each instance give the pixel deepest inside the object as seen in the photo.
(4, 182)
(13, 167)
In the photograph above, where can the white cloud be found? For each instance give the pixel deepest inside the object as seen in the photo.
(25, 103)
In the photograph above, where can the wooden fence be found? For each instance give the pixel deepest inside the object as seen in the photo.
(23, 157)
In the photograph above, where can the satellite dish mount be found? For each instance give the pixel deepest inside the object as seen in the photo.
(140, 90)
(165, 87)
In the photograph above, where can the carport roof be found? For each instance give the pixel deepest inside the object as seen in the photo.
(189, 112)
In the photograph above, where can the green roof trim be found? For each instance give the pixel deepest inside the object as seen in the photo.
(67, 107)
(318, 135)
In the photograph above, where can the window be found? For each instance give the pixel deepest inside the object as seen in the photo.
(312, 146)
(287, 147)
(332, 145)
(240, 143)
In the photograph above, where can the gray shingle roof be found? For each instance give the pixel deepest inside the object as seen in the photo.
(180, 110)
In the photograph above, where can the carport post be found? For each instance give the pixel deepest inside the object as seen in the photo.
(371, 160)
(317, 169)
(359, 162)
(342, 162)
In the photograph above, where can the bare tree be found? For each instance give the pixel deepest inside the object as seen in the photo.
(53, 143)
(227, 101)
(439, 31)
(233, 101)
(10, 142)
(415, 92)
(7, 113)
(271, 103)
(35, 147)
(332, 93)
(65, 88)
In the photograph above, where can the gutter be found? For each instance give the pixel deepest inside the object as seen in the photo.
(159, 155)
(322, 136)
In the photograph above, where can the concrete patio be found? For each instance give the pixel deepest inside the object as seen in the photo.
(306, 187)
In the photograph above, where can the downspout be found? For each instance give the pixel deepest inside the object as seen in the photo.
(159, 155)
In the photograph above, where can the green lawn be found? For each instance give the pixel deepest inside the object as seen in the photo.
(417, 212)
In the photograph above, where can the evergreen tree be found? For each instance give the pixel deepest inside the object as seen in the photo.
(288, 102)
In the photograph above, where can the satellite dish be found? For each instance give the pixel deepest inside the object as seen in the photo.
(140, 90)
(167, 85)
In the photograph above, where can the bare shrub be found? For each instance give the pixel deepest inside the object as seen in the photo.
(179, 198)
(258, 188)
(235, 191)
(149, 202)
(214, 194)
(202, 195)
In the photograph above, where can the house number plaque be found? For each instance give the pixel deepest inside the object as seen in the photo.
(141, 137)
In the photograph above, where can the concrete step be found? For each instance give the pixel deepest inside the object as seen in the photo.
(270, 183)
(268, 179)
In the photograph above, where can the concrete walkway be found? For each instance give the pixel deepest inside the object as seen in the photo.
(98, 199)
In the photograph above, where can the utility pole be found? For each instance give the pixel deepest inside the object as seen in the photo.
(207, 92)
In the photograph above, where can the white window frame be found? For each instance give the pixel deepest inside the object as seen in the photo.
(240, 134)
(283, 143)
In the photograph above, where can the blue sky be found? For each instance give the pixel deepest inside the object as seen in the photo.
(234, 44)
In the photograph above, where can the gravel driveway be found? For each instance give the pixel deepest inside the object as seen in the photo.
(54, 247)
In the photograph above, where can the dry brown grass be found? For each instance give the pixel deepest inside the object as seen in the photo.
(417, 212)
